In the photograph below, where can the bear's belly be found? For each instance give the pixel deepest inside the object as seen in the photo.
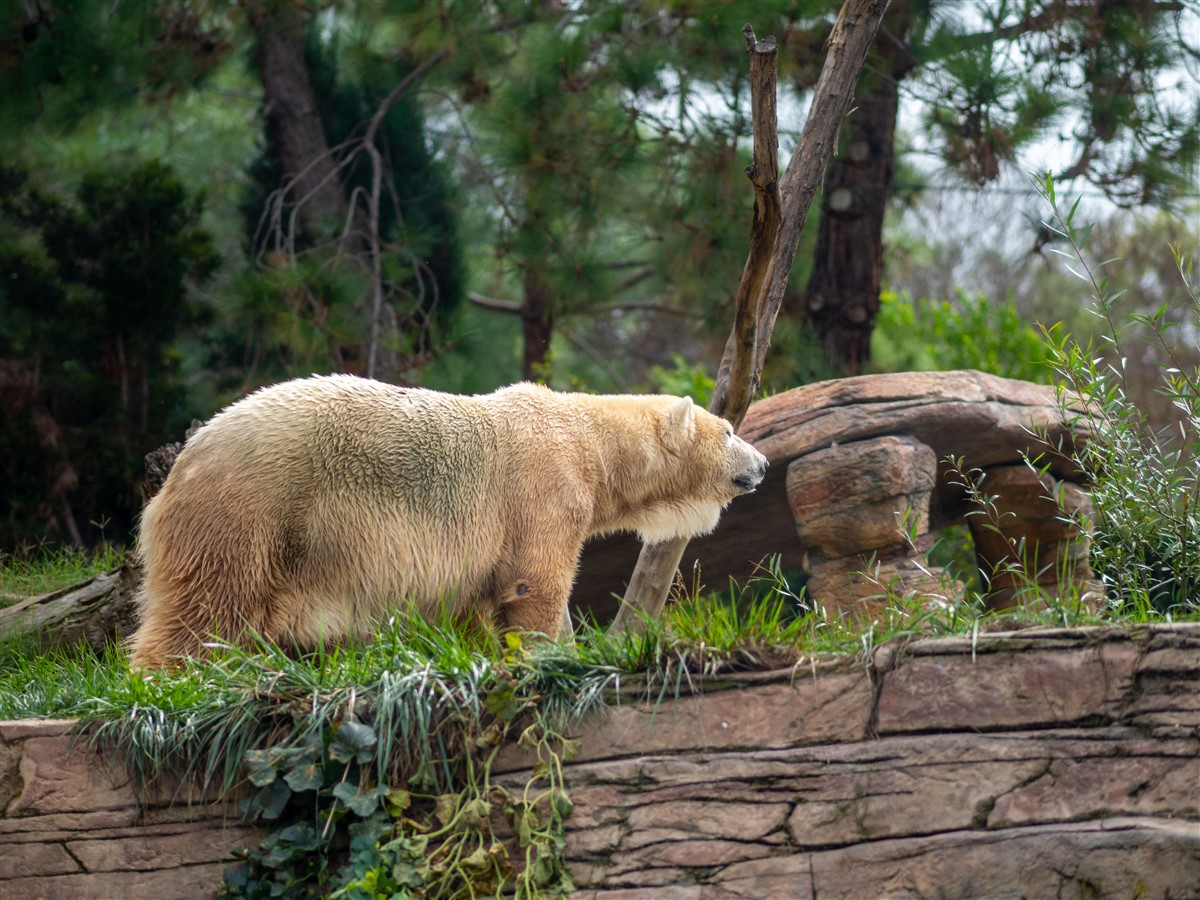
(357, 575)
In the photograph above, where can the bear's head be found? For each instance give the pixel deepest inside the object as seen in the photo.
(704, 467)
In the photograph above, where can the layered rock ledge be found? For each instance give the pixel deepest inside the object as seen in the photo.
(1051, 763)
(1040, 763)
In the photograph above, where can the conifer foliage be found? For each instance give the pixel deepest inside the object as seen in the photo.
(96, 292)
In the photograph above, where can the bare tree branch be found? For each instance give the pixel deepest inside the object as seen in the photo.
(514, 307)
(1053, 14)
(360, 236)
(805, 171)
(733, 390)
(848, 43)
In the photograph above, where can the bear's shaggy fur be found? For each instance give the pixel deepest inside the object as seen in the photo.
(310, 509)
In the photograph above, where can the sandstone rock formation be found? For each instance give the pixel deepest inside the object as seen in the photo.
(1053, 763)
(858, 462)
(1040, 763)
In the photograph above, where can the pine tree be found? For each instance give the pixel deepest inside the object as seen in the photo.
(994, 77)
(311, 305)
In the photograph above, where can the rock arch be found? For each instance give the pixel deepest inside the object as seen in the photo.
(853, 459)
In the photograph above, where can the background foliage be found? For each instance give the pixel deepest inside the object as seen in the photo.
(474, 192)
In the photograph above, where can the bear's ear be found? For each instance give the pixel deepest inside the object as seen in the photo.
(679, 429)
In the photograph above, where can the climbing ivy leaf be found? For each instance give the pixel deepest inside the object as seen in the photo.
(360, 802)
(396, 801)
(561, 804)
(260, 768)
(476, 812)
(307, 776)
(444, 807)
(269, 802)
(353, 742)
(502, 702)
(570, 750)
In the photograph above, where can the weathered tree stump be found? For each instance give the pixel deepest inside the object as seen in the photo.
(159, 463)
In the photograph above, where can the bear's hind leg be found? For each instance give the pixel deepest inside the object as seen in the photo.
(535, 602)
(171, 630)
(159, 644)
(183, 612)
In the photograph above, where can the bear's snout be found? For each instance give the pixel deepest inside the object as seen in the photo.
(752, 474)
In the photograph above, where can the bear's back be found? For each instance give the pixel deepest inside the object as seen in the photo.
(339, 433)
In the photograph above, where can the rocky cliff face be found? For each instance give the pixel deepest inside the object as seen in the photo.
(1035, 764)
(1053, 763)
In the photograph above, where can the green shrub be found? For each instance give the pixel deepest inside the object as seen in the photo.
(684, 380)
(963, 333)
(97, 290)
(1145, 482)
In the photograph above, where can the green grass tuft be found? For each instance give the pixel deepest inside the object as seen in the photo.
(43, 570)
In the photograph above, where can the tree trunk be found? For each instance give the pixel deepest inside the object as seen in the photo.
(537, 325)
(842, 297)
(293, 124)
(758, 308)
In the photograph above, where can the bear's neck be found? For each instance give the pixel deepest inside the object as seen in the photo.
(625, 466)
(616, 464)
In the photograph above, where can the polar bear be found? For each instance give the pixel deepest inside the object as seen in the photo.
(312, 509)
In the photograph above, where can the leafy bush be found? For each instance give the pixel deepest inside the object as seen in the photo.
(684, 380)
(964, 333)
(1145, 482)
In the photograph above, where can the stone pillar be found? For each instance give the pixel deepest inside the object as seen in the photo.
(861, 510)
(1032, 537)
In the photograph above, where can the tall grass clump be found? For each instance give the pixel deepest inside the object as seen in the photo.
(1145, 482)
(757, 627)
(35, 570)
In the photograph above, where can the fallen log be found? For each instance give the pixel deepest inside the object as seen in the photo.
(102, 609)
(98, 611)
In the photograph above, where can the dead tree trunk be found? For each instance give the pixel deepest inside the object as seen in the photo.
(98, 611)
(760, 295)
